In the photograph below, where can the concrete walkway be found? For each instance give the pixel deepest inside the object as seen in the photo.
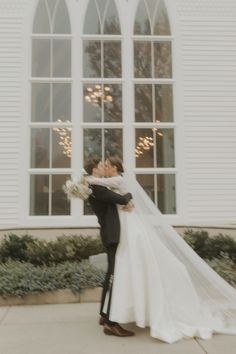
(74, 329)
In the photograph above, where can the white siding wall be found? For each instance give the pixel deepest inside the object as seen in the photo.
(205, 66)
(208, 58)
(11, 43)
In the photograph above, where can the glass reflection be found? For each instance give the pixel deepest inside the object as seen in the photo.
(163, 103)
(40, 148)
(40, 57)
(166, 195)
(40, 106)
(93, 95)
(111, 23)
(92, 59)
(161, 190)
(92, 23)
(162, 60)
(164, 147)
(61, 110)
(62, 20)
(142, 59)
(39, 195)
(61, 147)
(92, 143)
(113, 103)
(61, 58)
(113, 143)
(161, 26)
(142, 22)
(41, 19)
(144, 148)
(60, 203)
(112, 59)
(147, 182)
(143, 103)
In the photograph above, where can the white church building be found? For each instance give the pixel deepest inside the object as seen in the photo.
(152, 81)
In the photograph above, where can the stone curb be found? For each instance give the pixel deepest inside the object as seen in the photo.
(64, 296)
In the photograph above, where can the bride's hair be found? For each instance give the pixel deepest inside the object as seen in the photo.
(116, 161)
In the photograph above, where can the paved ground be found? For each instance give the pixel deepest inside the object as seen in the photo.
(73, 329)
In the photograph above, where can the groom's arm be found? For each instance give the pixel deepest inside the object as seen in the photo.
(105, 195)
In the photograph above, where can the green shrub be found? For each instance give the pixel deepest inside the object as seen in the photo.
(19, 279)
(225, 267)
(41, 252)
(211, 247)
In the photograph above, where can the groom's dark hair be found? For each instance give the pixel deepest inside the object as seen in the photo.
(91, 163)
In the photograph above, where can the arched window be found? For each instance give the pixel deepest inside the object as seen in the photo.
(50, 108)
(102, 81)
(154, 119)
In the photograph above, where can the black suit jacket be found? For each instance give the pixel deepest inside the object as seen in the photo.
(103, 202)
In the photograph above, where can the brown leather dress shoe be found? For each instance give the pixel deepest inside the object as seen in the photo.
(102, 321)
(117, 330)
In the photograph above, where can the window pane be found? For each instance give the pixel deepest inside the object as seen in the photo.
(61, 102)
(112, 103)
(92, 59)
(40, 107)
(143, 103)
(112, 59)
(61, 58)
(162, 60)
(164, 147)
(112, 23)
(51, 6)
(113, 143)
(92, 23)
(166, 193)
(144, 148)
(164, 103)
(39, 195)
(92, 143)
(60, 203)
(147, 182)
(41, 20)
(161, 27)
(40, 148)
(93, 103)
(62, 21)
(41, 58)
(142, 23)
(142, 59)
(161, 190)
(61, 147)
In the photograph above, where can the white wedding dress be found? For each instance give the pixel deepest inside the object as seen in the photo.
(159, 281)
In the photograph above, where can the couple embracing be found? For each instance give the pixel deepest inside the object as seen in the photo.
(154, 278)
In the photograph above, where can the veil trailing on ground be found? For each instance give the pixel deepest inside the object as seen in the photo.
(215, 294)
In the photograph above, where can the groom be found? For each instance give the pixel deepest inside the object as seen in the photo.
(103, 202)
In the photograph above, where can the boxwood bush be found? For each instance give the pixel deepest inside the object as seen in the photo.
(19, 279)
(29, 249)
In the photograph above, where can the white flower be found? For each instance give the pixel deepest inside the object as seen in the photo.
(76, 189)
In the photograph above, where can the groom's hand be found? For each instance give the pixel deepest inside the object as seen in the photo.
(128, 207)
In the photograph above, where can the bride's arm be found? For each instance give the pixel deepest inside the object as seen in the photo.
(110, 182)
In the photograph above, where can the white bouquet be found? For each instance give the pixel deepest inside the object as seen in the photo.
(75, 188)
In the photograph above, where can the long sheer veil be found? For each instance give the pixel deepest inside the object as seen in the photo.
(214, 292)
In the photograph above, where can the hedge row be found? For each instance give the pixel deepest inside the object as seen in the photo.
(19, 279)
(41, 252)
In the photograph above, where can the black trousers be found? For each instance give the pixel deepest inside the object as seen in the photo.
(107, 285)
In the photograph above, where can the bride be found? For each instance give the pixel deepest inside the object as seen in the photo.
(159, 281)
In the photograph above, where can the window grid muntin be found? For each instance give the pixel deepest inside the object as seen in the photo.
(154, 81)
(50, 79)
